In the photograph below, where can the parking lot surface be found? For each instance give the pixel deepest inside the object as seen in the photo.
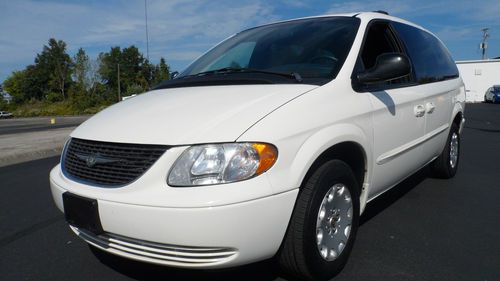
(423, 229)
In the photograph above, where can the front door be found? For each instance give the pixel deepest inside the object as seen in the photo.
(398, 115)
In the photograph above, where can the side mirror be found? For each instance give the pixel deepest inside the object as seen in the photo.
(388, 66)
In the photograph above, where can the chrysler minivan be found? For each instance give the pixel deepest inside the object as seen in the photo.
(269, 145)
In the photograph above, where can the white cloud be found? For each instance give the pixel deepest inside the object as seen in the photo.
(188, 24)
(393, 7)
(457, 33)
(484, 11)
(295, 3)
(487, 10)
(180, 30)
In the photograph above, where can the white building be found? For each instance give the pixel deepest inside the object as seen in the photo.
(478, 76)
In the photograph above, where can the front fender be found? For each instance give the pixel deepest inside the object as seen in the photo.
(321, 141)
(298, 153)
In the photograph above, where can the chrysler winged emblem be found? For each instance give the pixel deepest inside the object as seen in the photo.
(95, 158)
(91, 160)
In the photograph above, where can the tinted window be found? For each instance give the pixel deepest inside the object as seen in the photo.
(379, 40)
(314, 48)
(431, 60)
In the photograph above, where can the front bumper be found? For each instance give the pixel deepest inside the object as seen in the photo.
(204, 237)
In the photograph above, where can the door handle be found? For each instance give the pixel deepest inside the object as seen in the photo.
(419, 110)
(429, 107)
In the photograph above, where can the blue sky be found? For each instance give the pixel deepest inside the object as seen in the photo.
(181, 30)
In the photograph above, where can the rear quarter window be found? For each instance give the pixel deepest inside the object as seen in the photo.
(431, 60)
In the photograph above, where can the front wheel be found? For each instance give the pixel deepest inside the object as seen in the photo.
(446, 165)
(324, 223)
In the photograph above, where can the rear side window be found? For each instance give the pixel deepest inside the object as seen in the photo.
(431, 60)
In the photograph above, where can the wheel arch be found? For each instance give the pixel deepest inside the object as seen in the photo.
(458, 116)
(350, 145)
(350, 152)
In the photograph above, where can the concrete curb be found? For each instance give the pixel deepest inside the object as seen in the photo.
(30, 156)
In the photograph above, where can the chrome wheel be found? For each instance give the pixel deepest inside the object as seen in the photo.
(333, 224)
(454, 150)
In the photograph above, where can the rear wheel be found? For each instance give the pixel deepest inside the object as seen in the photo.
(446, 165)
(323, 225)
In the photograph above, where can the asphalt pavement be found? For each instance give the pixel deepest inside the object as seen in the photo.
(25, 125)
(423, 229)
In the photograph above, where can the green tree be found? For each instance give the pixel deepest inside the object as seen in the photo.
(130, 66)
(86, 90)
(81, 67)
(109, 68)
(83, 84)
(162, 72)
(146, 76)
(133, 69)
(21, 85)
(53, 68)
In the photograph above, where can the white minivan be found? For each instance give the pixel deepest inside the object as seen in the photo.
(269, 145)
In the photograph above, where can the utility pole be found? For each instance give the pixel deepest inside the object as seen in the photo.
(147, 34)
(119, 94)
(483, 44)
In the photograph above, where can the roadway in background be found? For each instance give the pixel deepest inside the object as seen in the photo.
(25, 125)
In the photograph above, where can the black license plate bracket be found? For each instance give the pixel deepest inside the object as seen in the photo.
(82, 212)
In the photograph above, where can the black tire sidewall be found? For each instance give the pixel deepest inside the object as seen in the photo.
(331, 173)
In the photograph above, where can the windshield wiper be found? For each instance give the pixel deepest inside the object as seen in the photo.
(225, 70)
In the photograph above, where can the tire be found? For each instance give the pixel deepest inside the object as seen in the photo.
(446, 165)
(300, 251)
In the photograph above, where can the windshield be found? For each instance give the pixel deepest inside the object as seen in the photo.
(312, 48)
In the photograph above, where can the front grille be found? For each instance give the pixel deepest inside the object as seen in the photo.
(164, 254)
(108, 164)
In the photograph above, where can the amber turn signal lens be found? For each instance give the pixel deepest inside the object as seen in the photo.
(267, 154)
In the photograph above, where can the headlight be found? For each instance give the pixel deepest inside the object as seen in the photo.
(221, 163)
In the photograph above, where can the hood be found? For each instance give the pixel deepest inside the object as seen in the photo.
(181, 116)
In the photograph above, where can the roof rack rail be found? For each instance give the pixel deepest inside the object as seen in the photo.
(381, 12)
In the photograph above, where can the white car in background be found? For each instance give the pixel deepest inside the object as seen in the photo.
(5, 114)
(269, 145)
